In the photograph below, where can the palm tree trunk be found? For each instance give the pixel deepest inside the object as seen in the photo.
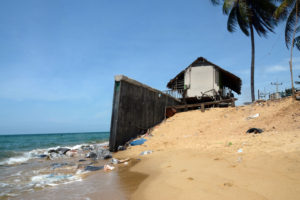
(292, 47)
(252, 63)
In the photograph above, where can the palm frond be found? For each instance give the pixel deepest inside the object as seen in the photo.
(228, 5)
(231, 23)
(215, 2)
(282, 10)
(297, 42)
(289, 27)
(242, 13)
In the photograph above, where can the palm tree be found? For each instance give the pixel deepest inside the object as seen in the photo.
(288, 10)
(249, 15)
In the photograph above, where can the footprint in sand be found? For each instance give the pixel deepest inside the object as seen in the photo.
(183, 170)
(227, 184)
(190, 178)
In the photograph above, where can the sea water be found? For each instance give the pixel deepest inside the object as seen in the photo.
(22, 169)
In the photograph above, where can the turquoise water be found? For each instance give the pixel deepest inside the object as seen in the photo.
(23, 169)
(16, 145)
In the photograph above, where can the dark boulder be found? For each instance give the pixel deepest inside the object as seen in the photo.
(62, 150)
(103, 154)
(91, 155)
(52, 151)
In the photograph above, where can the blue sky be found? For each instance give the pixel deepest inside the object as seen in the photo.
(58, 58)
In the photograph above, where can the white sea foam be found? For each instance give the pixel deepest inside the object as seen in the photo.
(52, 179)
(3, 184)
(19, 159)
(33, 154)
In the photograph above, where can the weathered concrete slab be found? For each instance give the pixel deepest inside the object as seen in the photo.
(136, 107)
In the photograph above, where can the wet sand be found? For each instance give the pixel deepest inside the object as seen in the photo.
(209, 155)
(118, 184)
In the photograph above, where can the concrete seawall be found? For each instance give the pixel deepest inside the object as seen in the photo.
(136, 107)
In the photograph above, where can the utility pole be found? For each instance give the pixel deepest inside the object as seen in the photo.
(276, 84)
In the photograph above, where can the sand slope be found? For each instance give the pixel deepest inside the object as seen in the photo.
(196, 154)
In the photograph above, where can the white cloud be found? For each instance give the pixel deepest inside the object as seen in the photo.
(276, 68)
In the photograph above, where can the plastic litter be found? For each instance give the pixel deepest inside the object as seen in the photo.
(58, 165)
(146, 152)
(255, 130)
(114, 161)
(253, 116)
(108, 167)
(125, 163)
(124, 160)
(240, 159)
(138, 142)
(240, 151)
(93, 168)
(121, 148)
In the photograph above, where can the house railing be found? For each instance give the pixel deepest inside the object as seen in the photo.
(178, 94)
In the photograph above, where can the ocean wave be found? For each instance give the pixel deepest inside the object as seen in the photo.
(36, 153)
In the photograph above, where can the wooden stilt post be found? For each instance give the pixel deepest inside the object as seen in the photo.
(202, 107)
(232, 103)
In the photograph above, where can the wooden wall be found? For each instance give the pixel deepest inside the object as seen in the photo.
(136, 107)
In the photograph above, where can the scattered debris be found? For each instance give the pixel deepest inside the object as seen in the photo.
(93, 168)
(260, 101)
(146, 152)
(58, 165)
(170, 112)
(103, 154)
(228, 184)
(91, 155)
(114, 161)
(125, 163)
(121, 148)
(255, 130)
(240, 151)
(138, 142)
(72, 153)
(108, 167)
(43, 156)
(240, 159)
(253, 116)
(62, 150)
(124, 160)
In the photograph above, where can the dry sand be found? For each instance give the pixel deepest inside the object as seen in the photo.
(196, 154)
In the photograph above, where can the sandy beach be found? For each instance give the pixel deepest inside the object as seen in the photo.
(208, 155)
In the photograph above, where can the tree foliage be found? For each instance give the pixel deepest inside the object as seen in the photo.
(246, 13)
(286, 11)
(249, 15)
